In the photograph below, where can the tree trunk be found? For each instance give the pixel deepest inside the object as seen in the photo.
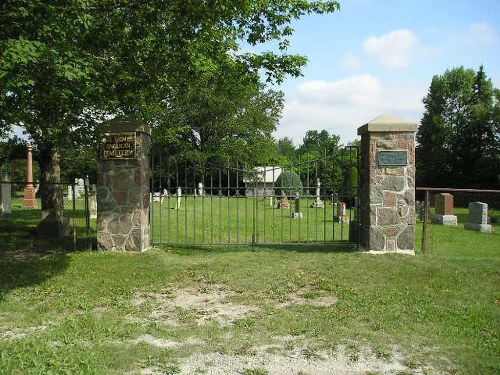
(53, 222)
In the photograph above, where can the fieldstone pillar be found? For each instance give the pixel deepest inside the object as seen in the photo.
(123, 186)
(387, 196)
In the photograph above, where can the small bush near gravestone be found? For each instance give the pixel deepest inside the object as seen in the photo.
(289, 182)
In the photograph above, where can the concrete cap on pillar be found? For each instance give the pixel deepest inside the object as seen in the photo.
(387, 123)
(124, 124)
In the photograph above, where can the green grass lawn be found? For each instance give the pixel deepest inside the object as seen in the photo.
(64, 312)
(229, 220)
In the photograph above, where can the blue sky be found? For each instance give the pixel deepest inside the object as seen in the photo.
(379, 56)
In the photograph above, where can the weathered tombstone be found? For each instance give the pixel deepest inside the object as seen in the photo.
(179, 198)
(6, 203)
(341, 212)
(297, 213)
(80, 187)
(93, 206)
(201, 192)
(318, 203)
(123, 186)
(478, 217)
(165, 194)
(443, 215)
(284, 203)
(387, 182)
(29, 200)
(70, 193)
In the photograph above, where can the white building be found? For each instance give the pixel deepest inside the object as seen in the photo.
(261, 183)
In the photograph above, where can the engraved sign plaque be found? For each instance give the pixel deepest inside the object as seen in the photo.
(118, 146)
(392, 158)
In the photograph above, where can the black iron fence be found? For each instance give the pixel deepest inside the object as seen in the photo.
(306, 201)
(449, 216)
(71, 221)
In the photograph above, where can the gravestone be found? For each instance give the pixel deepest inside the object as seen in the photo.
(6, 203)
(201, 192)
(284, 203)
(297, 213)
(341, 212)
(179, 198)
(443, 215)
(93, 206)
(478, 217)
(387, 185)
(123, 177)
(80, 186)
(29, 200)
(318, 203)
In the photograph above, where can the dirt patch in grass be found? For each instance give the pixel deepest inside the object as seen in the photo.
(310, 296)
(201, 305)
(298, 355)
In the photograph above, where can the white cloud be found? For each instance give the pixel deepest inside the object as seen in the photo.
(342, 106)
(393, 50)
(481, 33)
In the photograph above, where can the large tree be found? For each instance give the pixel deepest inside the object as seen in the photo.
(65, 64)
(225, 113)
(458, 138)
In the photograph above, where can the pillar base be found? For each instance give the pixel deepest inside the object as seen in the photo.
(29, 200)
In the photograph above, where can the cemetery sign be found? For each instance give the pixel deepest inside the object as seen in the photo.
(392, 158)
(118, 145)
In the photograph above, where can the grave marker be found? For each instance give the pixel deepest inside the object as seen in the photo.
(478, 217)
(443, 214)
(179, 198)
(6, 204)
(297, 214)
(318, 203)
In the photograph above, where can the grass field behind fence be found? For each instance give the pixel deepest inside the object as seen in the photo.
(230, 220)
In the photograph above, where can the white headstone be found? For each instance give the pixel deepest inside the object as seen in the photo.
(318, 203)
(6, 204)
(200, 189)
(80, 187)
(179, 198)
(70, 193)
(93, 206)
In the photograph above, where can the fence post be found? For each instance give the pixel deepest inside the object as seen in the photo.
(73, 189)
(87, 212)
(425, 228)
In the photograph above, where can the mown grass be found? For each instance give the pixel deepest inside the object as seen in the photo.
(73, 312)
(230, 220)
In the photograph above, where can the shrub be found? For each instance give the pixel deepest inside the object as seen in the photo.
(289, 182)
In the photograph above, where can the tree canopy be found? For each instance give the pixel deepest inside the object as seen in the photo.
(459, 135)
(65, 65)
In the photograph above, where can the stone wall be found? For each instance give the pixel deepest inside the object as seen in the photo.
(387, 197)
(123, 192)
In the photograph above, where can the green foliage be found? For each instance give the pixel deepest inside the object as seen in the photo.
(459, 136)
(65, 66)
(286, 148)
(289, 182)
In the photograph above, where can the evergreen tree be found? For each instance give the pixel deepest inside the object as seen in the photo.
(458, 138)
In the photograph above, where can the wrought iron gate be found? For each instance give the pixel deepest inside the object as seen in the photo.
(310, 200)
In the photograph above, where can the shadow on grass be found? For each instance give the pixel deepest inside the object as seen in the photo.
(188, 250)
(25, 258)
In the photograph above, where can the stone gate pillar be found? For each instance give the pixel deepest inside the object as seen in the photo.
(123, 186)
(387, 197)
